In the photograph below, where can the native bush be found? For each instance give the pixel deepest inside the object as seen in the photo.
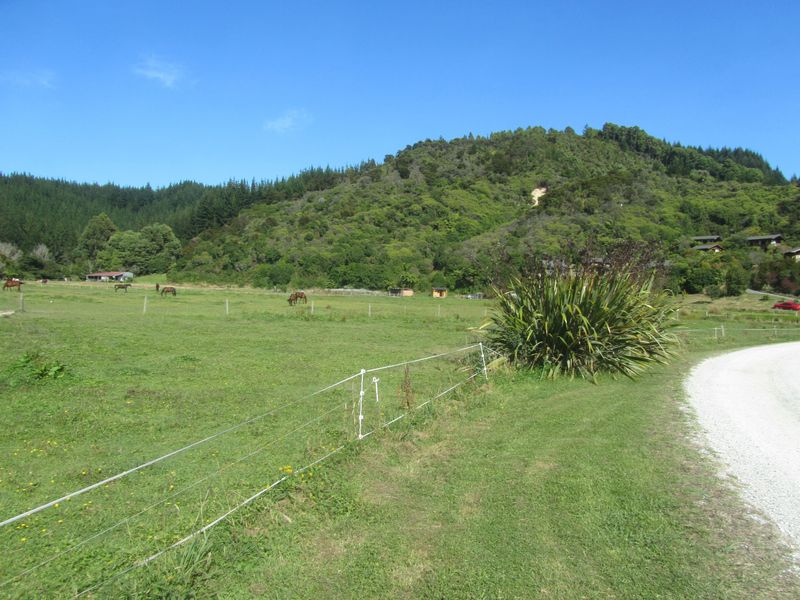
(582, 322)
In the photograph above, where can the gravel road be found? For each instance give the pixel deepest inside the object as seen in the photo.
(748, 403)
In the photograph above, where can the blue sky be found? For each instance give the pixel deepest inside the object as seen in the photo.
(159, 92)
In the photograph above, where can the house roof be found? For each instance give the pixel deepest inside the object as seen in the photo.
(764, 238)
(107, 274)
(792, 252)
(707, 238)
(707, 247)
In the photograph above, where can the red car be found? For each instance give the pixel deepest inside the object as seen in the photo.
(788, 305)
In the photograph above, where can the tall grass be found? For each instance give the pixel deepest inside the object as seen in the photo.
(582, 322)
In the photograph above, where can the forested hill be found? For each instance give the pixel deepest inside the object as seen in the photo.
(463, 212)
(454, 213)
(35, 210)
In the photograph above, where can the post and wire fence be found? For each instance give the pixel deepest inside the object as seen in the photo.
(78, 542)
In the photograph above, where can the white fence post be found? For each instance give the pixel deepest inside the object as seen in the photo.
(483, 360)
(361, 405)
(375, 380)
(144, 308)
(21, 301)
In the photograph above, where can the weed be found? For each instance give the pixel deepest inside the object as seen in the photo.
(34, 367)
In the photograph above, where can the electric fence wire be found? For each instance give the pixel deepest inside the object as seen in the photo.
(436, 397)
(260, 493)
(205, 528)
(130, 518)
(154, 461)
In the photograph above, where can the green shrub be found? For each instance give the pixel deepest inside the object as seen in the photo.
(582, 323)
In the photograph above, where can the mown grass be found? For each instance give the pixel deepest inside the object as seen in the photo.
(522, 488)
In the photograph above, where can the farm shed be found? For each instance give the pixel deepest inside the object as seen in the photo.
(706, 239)
(401, 292)
(439, 292)
(110, 276)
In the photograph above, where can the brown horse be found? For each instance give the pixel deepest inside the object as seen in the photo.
(297, 297)
(169, 290)
(13, 283)
(122, 286)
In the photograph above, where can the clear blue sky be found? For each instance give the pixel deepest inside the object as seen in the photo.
(157, 92)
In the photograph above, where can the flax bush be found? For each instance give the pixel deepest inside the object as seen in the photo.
(582, 322)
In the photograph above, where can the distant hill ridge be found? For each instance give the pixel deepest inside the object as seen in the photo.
(452, 213)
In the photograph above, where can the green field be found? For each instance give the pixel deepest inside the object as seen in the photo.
(515, 488)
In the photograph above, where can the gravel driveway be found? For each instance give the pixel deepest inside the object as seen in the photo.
(748, 403)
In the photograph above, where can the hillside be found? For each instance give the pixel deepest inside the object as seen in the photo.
(458, 213)
(461, 213)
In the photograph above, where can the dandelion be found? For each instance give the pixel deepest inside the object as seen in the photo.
(23, 540)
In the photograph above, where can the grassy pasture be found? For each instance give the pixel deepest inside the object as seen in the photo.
(140, 382)
(527, 488)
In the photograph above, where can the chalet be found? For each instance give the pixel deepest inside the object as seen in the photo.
(708, 248)
(706, 239)
(765, 241)
(439, 292)
(110, 276)
(793, 253)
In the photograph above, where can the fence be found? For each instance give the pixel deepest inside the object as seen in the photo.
(80, 541)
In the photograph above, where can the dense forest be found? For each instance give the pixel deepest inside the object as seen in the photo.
(463, 213)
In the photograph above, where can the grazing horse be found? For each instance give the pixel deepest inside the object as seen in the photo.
(296, 297)
(168, 290)
(13, 283)
(156, 288)
(122, 286)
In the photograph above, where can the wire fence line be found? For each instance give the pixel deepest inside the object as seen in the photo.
(348, 410)
(197, 443)
(272, 486)
(130, 518)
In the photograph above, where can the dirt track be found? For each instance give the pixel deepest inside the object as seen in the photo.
(748, 403)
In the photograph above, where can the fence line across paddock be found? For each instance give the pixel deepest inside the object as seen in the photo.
(248, 421)
(348, 403)
(144, 562)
